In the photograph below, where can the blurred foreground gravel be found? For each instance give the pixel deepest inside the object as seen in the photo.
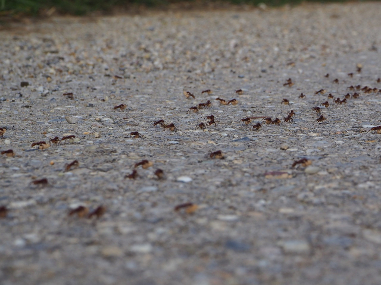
(252, 218)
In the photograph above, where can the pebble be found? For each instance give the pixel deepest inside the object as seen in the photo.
(284, 146)
(295, 246)
(372, 236)
(112, 251)
(311, 170)
(148, 189)
(141, 248)
(184, 179)
(237, 246)
(228, 218)
(22, 204)
(71, 119)
(7, 141)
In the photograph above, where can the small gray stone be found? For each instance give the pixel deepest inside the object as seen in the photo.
(312, 169)
(148, 189)
(71, 120)
(295, 246)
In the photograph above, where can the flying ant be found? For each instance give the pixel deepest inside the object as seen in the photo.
(217, 155)
(202, 126)
(325, 104)
(133, 175)
(257, 126)
(2, 131)
(304, 162)
(75, 163)
(8, 153)
(55, 140)
(222, 101)
(317, 109)
(3, 212)
(208, 91)
(327, 75)
(246, 120)
(377, 129)
(41, 145)
(135, 135)
(144, 163)
(239, 92)
(321, 91)
(302, 96)
(42, 181)
(160, 122)
(98, 212)
(159, 173)
(350, 74)
(288, 83)
(80, 211)
(193, 109)
(171, 126)
(121, 107)
(285, 102)
(321, 119)
(233, 102)
(336, 81)
(69, 95)
(330, 96)
(188, 95)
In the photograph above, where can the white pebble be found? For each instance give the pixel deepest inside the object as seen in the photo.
(184, 179)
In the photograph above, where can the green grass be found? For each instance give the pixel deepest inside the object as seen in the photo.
(82, 7)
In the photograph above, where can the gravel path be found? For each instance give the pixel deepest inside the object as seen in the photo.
(289, 202)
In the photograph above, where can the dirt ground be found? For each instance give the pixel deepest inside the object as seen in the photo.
(118, 166)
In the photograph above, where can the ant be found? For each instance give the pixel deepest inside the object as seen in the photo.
(98, 212)
(222, 101)
(327, 75)
(321, 119)
(202, 126)
(8, 153)
(159, 173)
(285, 102)
(182, 206)
(68, 137)
(55, 140)
(75, 163)
(257, 126)
(204, 105)
(144, 163)
(355, 95)
(268, 120)
(377, 129)
(302, 96)
(336, 81)
(208, 91)
(193, 109)
(288, 119)
(118, 77)
(288, 83)
(304, 162)
(351, 88)
(378, 80)
(239, 92)
(69, 95)
(3, 212)
(42, 181)
(246, 120)
(359, 69)
(2, 131)
(317, 109)
(321, 91)
(189, 95)
(358, 87)
(41, 145)
(330, 96)
(121, 107)
(350, 74)
(276, 121)
(325, 104)
(135, 135)
(170, 126)
(233, 102)
(133, 175)
(217, 155)
(80, 211)
(347, 96)
(160, 122)
(211, 120)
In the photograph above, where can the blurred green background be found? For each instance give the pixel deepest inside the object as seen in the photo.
(82, 7)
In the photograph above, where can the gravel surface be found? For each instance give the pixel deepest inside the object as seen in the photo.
(289, 202)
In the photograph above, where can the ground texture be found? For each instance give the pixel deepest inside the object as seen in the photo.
(254, 216)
